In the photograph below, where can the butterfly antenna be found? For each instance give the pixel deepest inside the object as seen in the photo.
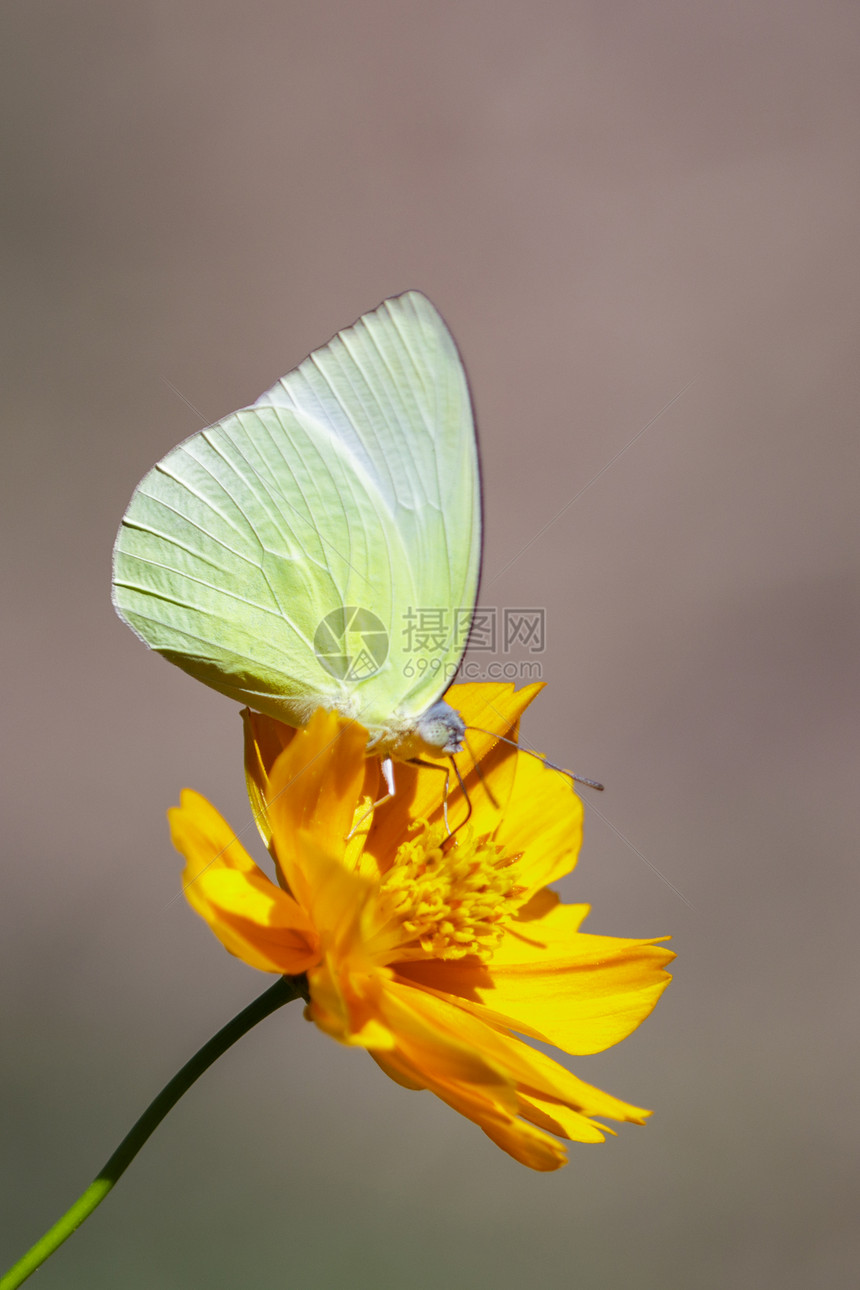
(551, 765)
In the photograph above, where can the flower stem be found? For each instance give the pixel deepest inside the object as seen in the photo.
(283, 991)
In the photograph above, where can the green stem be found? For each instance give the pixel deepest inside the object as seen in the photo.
(285, 989)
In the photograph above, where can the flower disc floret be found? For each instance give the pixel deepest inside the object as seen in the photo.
(451, 902)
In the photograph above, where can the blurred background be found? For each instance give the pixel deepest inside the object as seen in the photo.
(607, 203)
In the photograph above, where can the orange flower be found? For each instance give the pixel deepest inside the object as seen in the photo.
(430, 945)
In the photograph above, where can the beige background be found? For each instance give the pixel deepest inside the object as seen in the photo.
(606, 201)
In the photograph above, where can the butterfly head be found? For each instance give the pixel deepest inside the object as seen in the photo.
(441, 728)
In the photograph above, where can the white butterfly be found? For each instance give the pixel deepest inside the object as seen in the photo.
(321, 548)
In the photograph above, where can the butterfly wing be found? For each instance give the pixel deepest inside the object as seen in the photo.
(351, 487)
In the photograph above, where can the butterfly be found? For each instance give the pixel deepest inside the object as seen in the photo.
(322, 547)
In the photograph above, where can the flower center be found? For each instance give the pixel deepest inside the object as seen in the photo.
(449, 903)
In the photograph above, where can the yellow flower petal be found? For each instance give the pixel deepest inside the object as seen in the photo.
(431, 1042)
(346, 1006)
(414, 1085)
(315, 787)
(340, 902)
(528, 1145)
(493, 706)
(252, 917)
(265, 740)
(579, 992)
(543, 822)
(561, 1120)
(573, 1096)
(531, 1072)
(484, 1093)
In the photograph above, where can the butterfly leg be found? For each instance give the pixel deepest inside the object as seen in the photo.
(387, 767)
(430, 765)
(476, 765)
(445, 802)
